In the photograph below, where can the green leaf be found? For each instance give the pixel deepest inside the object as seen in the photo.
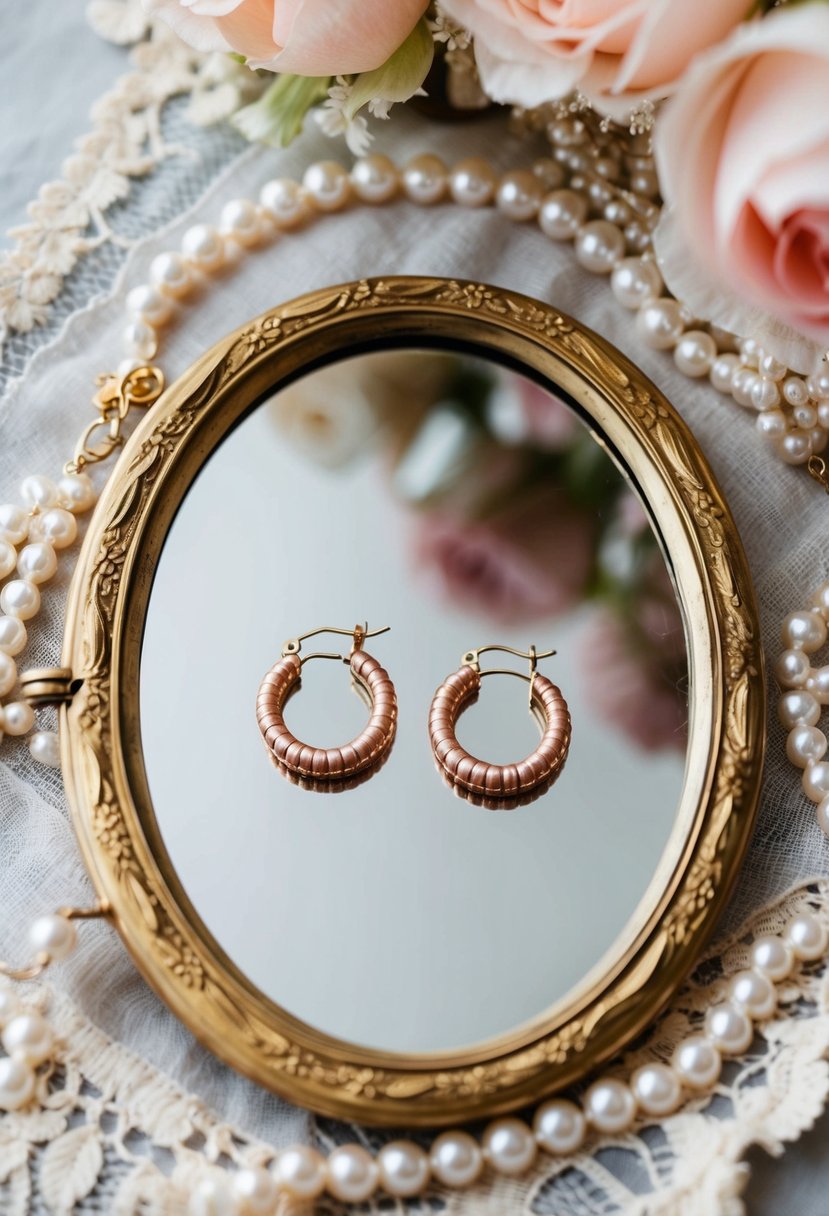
(279, 114)
(400, 76)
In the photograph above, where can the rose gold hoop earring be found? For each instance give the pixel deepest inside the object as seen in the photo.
(499, 780)
(328, 763)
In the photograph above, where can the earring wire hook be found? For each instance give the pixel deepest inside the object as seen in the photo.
(359, 634)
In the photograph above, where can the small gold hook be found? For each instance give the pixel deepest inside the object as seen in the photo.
(358, 635)
(472, 659)
(818, 469)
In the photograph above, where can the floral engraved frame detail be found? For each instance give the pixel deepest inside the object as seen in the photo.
(102, 759)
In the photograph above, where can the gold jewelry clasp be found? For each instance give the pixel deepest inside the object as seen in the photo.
(358, 635)
(472, 659)
(819, 470)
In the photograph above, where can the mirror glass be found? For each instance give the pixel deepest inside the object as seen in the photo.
(460, 503)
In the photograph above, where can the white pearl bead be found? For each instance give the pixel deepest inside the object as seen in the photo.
(697, 1062)
(13, 635)
(37, 562)
(404, 1169)
(509, 1146)
(559, 1126)
(352, 1173)
(518, 195)
(549, 173)
(8, 674)
(53, 935)
(146, 303)
(8, 558)
(9, 1005)
(328, 185)
(20, 598)
(140, 339)
(660, 323)
(773, 424)
(17, 718)
(751, 352)
(14, 523)
(804, 631)
(818, 440)
(56, 527)
(805, 745)
(818, 385)
(822, 816)
(729, 1028)
(44, 746)
(656, 1089)
(76, 492)
(798, 708)
(823, 414)
(794, 448)
(754, 993)
(722, 371)
(618, 212)
(742, 386)
(29, 1037)
(472, 182)
(170, 274)
(816, 781)
(795, 390)
(256, 1190)
(286, 202)
(213, 1197)
(562, 214)
(805, 417)
(765, 394)
(39, 493)
(695, 352)
(17, 1084)
(204, 247)
(634, 282)
(456, 1159)
(599, 246)
(771, 367)
(301, 1171)
(773, 956)
(610, 1106)
(820, 600)
(792, 669)
(375, 179)
(807, 937)
(425, 180)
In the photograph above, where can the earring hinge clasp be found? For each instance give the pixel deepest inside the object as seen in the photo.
(359, 634)
(472, 659)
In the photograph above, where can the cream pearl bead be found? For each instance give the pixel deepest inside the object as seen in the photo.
(765, 394)
(53, 935)
(38, 492)
(610, 1106)
(240, 221)
(722, 371)
(352, 1173)
(798, 707)
(44, 747)
(697, 1062)
(301, 1171)
(559, 1126)
(170, 275)
(805, 745)
(327, 184)
(17, 1083)
(823, 414)
(213, 1197)
(773, 424)
(285, 202)
(256, 1191)
(656, 1089)
(76, 492)
(425, 180)
(56, 527)
(818, 385)
(146, 303)
(404, 1169)
(472, 182)
(20, 598)
(792, 669)
(816, 781)
(456, 1159)
(729, 1028)
(795, 390)
(660, 323)
(14, 523)
(8, 674)
(753, 992)
(8, 558)
(13, 635)
(822, 816)
(375, 179)
(29, 1037)
(509, 1146)
(549, 173)
(794, 448)
(37, 563)
(805, 417)
(807, 937)
(742, 385)
(562, 214)
(140, 339)
(818, 440)
(634, 282)
(17, 718)
(804, 631)
(9, 1006)
(519, 195)
(771, 367)
(820, 600)
(695, 352)
(773, 956)
(204, 247)
(599, 246)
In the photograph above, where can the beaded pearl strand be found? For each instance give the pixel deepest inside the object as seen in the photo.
(805, 694)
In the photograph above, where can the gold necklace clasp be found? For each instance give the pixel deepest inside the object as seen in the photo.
(115, 397)
(819, 471)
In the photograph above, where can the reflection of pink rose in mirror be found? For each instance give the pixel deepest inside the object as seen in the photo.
(531, 561)
(630, 515)
(520, 411)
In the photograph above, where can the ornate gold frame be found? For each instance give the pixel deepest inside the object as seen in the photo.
(100, 730)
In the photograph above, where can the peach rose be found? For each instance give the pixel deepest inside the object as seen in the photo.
(614, 51)
(743, 157)
(305, 37)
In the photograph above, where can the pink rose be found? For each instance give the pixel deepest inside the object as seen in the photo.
(529, 562)
(614, 51)
(743, 158)
(305, 37)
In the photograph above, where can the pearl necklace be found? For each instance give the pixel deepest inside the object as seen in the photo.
(805, 693)
(47, 524)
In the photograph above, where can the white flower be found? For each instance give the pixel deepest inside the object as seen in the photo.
(444, 29)
(333, 119)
